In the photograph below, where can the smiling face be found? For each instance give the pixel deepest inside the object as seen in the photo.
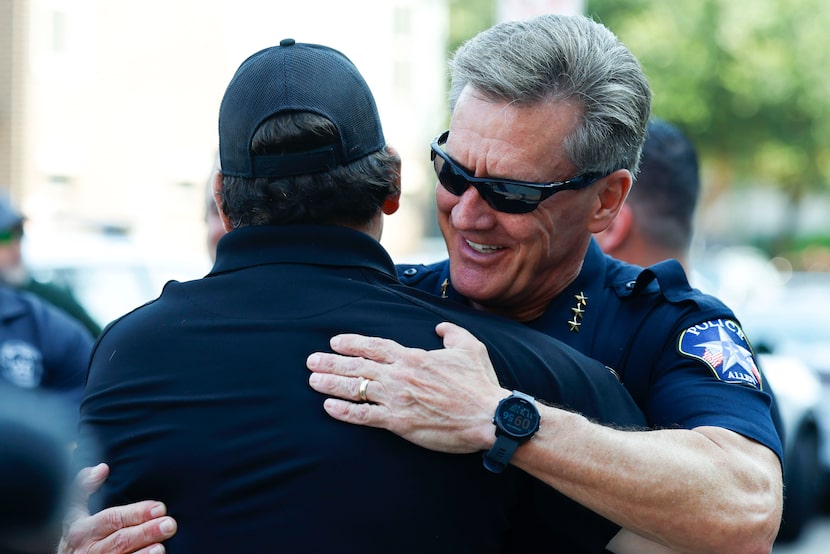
(515, 264)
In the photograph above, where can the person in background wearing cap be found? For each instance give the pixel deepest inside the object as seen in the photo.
(41, 347)
(549, 116)
(201, 398)
(13, 271)
(43, 360)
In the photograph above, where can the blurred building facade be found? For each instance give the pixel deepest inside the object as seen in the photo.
(108, 109)
(12, 43)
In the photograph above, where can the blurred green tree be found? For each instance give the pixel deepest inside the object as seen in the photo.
(467, 18)
(747, 80)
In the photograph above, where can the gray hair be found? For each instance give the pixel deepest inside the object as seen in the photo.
(554, 58)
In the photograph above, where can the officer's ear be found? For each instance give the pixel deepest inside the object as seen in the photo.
(217, 197)
(615, 235)
(611, 194)
(392, 201)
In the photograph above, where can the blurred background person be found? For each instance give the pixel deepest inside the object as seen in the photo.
(37, 430)
(14, 273)
(656, 222)
(43, 360)
(41, 347)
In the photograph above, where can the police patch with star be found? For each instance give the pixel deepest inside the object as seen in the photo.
(723, 347)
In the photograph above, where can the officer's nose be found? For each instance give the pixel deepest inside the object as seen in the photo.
(471, 211)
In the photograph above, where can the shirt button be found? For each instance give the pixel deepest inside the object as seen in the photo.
(410, 272)
(630, 285)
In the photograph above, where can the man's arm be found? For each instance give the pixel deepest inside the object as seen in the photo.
(135, 528)
(700, 490)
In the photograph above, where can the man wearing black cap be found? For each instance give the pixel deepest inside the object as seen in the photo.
(41, 346)
(200, 398)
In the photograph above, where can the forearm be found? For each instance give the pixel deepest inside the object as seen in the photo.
(706, 490)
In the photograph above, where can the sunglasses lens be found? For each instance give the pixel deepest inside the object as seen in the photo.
(503, 197)
(448, 178)
(511, 198)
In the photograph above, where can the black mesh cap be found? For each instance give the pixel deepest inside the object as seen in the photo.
(296, 77)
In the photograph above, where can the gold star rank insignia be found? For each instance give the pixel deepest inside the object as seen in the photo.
(444, 286)
(578, 311)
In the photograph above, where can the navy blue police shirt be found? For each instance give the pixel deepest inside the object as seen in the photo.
(200, 399)
(680, 353)
(42, 350)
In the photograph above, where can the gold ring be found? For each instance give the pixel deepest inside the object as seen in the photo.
(361, 390)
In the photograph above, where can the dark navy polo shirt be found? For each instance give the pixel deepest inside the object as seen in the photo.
(201, 399)
(680, 353)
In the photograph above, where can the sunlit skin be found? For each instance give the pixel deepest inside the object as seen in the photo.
(10, 255)
(11, 262)
(515, 264)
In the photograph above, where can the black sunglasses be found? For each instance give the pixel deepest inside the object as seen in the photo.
(503, 195)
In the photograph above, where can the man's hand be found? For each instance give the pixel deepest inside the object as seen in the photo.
(439, 399)
(135, 528)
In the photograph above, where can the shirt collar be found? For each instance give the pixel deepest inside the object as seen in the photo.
(11, 302)
(330, 245)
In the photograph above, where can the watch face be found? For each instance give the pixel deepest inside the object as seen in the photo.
(518, 417)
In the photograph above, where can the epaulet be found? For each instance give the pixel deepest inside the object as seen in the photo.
(671, 278)
(413, 274)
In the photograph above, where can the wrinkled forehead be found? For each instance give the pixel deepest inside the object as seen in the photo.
(502, 139)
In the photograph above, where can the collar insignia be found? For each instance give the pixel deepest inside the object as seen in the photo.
(578, 311)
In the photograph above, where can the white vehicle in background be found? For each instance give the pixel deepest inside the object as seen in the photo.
(798, 392)
(788, 327)
(795, 322)
(107, 273)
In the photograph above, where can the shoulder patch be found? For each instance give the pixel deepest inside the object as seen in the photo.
(722, 346)
(21, 363)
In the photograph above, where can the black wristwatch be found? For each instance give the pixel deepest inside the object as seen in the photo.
(516, 420)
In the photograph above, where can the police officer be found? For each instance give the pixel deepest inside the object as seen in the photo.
(14, 273)
(43, 360)
(549, 116)
(41, 347)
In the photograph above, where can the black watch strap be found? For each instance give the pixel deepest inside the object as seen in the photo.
(498, 458)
